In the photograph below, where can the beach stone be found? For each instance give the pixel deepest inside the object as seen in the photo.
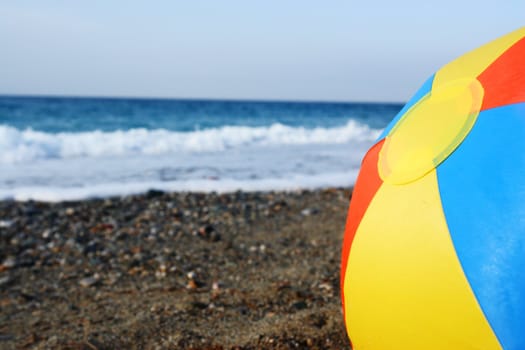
(92, 247)
(46, 234)
(6, 223)
(298, 305)
(9, 262)
(309, 211)
(52, 341)
(208, 233)
(88, 281)
(4, 280)
(6, 337)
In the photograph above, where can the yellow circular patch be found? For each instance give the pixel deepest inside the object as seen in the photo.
(430, 131)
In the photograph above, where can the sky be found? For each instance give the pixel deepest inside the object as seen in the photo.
(331, 50)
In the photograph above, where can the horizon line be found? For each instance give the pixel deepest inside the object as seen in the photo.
(203, 99)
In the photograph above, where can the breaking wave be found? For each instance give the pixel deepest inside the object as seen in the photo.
(22, 146)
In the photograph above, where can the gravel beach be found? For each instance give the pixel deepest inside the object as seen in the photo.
(257, 270)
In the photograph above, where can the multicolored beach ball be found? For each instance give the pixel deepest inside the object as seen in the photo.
(434, 248)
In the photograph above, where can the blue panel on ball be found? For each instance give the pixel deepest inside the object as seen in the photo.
(423, 90)
(482, 187)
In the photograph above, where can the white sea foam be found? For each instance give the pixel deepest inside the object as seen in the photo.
(70, 166)
(294, 182)
(21, 146)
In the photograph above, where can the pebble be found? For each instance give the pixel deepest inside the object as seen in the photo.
(192, 285)
(4, 280)
(326, 286)
(299, 305)
(46, 234)
(208, 232)
(309, 211)
(6, 223)
(6, 337)
(216, 286)
(9, 262)
(88, 281)
(52, 341)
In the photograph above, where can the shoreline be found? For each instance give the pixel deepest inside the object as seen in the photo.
(182, 270)
(155, 191)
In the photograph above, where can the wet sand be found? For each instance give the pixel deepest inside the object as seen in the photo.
(174, 271)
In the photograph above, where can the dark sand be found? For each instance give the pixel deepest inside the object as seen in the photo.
(174, 271)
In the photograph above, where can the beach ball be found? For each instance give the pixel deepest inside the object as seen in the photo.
(434, 247)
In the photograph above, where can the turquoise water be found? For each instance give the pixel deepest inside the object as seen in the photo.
(86, 114)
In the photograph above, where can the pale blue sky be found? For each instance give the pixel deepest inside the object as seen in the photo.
(237, 49)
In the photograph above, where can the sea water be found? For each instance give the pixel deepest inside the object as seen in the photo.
(73, 148)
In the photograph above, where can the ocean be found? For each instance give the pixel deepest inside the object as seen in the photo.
(54, 148)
